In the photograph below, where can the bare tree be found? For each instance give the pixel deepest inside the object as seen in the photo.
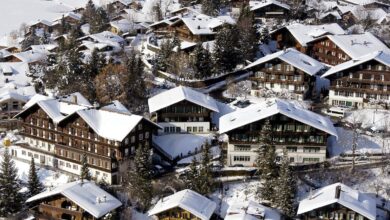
(355, 124)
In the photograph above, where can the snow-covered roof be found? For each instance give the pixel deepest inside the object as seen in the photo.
(251, 210)
(268, 108)
(29, 56)
(76, 96)
(104, 37)
(87, 195)
(380, 56)
(179, 94)
(194, 9)
(116, 106)
(42, 48)
(178, 145)
(188, 200)
(71, 14)
(307, 33)
(333, 13)
(255, 5)
(357, 45)
(360, 2)
(204, 25)
(36, 98)
(12, 95)
(350, 198)
(110, 125)
(294, 58)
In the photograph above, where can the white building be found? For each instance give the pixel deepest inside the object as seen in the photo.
(303, 133)
(182, 109)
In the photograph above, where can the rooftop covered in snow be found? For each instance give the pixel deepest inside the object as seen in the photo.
(343, 195)
(380, 56)
(268, 108)
(294, 58)
(255, 5)
(307, 33)
(87, 195)
(188, 200)
(251, 210)
(179, 94)
(357, 45)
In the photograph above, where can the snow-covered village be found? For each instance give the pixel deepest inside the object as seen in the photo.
(195, 109)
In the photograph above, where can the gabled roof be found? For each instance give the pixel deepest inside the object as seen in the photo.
(204, 25)
(332, 13)
(294, 58)
(116, 106)
(380, 56)
(55, 109)
(76, 96)
(179, 94)
(87, 195)
(350, 198)
(251, 211)
(110, 125)
(255, 5)
(307, 33)
(12, 95)
(357, 45)
(188, 200)
(272, 107)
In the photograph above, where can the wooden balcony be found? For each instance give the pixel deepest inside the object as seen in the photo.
(281, 81)
(43, 210)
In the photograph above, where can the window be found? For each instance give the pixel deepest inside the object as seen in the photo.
(189, 129)
(200, 129)
(127, 152)
(132, 139)
(311, 160)
(62, 163)
(166, 130)
(242, 158)
(23, 152)
(140, 127)
(242, 148)
(195, 129)
(311, 149)
(178, 129)
(140, 137)
(75, 167)
(127, 141)
(147, 134)
(292, 149)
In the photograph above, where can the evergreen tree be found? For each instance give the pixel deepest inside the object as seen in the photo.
(140, 183)
(91, 69)
(248, 42)
(202, 63)
(205, 173)
(157, 11)
(226, 54)
(266, 163)
(211, 7)
(84, 172)
(264, 36)
(11, 200)
(89, 12)
(192, 176)
(99, 22)
(286, 187)
(34, 185)
(31, 39)
(163, 55)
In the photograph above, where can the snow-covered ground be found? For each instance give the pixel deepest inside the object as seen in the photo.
(365, 143)
(380, 119)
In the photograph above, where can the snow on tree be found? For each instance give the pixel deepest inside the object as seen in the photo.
(286, 187)
(84, 172)
(266, 164)
(211, 7)
(11, 200)
(248, 42)
(202, 62)
(140, 182)
(34, 185)
(226, 54)
(111, 84)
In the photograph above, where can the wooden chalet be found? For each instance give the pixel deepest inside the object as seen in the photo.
(57, 133)
(73, 201)
(361, 82)
(185, 204)
(300, 35)
(182, 110)
(336, 49)
(302, 133)
(287, 70)
(265, 9)
(337, 201)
